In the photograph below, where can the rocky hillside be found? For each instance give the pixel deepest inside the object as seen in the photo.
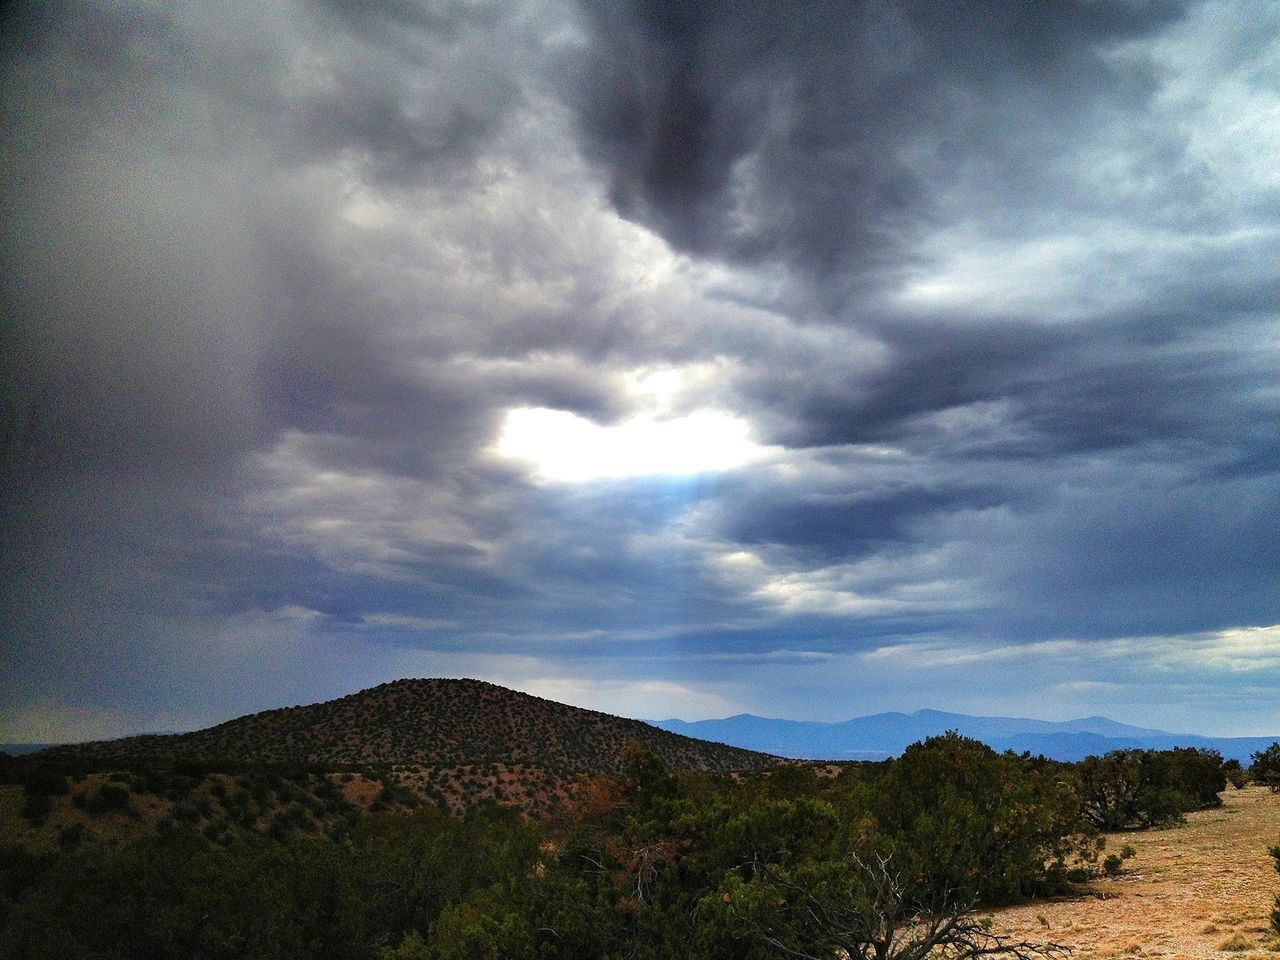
(427, 722)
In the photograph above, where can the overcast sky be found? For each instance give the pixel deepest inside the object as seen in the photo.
(806, 359)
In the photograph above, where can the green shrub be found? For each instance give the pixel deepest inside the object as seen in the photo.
(109, 798)
(1265, 768)
(1275, 913)
(70, 836)
(1134, 789)
(412, 947)
(239, 799)
(948, 826)
(1234, 773)
(35, 807)
(180, 786)
(49, 783)
(185, 812)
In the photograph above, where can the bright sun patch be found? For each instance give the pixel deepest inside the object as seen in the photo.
(562, 446)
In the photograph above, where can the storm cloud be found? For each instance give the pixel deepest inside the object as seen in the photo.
(678, 359)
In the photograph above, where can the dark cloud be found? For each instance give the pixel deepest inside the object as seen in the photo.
(848, 525)
(1144, 554)
(821, 138)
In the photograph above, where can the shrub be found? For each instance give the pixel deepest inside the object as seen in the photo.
(40, 785)
(110, 798)
(192, 769)
(1275, 914)
(948, 826)
(1112, 864)
(1128, 789)
(185, 812)
(48, 783)
(36, 807)
(1265, 768)
(239, 799)
(1236, 943)
(69, 837)
(261, 792)
(1234, 773)
(180, 786)
(1197, 774)
(412, 947)
(981, 825)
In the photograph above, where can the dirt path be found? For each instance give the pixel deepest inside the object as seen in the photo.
(1203, 889)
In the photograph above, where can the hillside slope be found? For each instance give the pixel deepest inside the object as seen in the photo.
(430, 722)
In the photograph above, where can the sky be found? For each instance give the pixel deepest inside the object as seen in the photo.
(674, 360)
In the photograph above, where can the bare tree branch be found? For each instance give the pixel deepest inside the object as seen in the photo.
(872, 918)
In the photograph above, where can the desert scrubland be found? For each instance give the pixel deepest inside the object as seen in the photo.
(1204, 888)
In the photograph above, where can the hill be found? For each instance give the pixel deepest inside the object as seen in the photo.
(438, 723)
(888, 734)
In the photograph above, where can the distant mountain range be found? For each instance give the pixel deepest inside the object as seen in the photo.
(884, 735)
(427, 722)
(17, 749)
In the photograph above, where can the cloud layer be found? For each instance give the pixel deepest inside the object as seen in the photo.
(682, 358)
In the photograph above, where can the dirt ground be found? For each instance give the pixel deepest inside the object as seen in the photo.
(1202, 889)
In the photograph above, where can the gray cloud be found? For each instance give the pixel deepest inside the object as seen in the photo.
(822, 139)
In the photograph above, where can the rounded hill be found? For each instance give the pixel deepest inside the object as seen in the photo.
(430, 722)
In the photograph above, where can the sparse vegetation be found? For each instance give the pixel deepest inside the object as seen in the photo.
(602, 848)
(644, 857)
(415, 723)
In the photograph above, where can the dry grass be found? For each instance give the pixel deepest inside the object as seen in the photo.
(1200, 890)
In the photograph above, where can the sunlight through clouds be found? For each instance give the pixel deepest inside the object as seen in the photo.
(562, 446)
